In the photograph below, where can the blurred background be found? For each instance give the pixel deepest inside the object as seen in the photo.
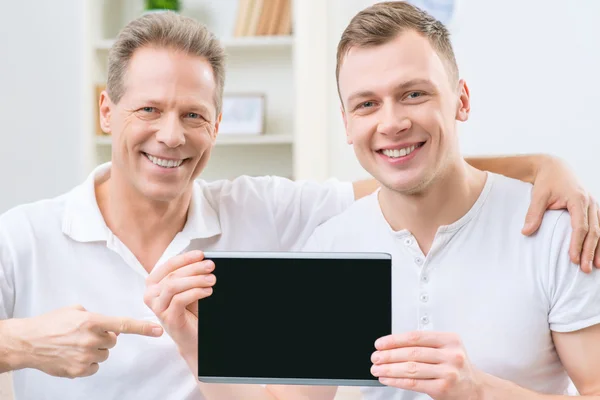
(532, 66)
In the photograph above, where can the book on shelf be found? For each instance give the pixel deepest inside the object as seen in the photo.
(263, 18)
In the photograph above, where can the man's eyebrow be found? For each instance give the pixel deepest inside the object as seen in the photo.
(360, 95)
(199, 108)
(402, 86)
(148, 101)
(413, 82)
(190, 107)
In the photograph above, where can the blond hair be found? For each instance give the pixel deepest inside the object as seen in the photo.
(382, 22)
(164, 30)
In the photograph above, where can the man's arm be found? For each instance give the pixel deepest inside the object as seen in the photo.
(580, 354)
(521, 167)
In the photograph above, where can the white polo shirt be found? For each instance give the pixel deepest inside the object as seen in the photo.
(59, 252)
(502, 292)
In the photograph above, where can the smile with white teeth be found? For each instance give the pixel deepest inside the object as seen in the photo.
(395, 153)
(164, 163)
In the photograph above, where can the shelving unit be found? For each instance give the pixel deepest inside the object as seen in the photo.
(256, 64)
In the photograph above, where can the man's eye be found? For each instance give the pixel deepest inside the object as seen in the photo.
(148, 109)
(414, 95)
(366, 104)
(193, 115)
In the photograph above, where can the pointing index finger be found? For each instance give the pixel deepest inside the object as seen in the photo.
(127, 325)
(174, 264)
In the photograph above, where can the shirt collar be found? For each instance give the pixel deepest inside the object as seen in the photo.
(83, 221)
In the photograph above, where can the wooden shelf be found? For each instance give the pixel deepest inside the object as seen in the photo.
(230, 140)
(232, 43)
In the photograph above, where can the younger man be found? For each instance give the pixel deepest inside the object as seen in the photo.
(479, 313)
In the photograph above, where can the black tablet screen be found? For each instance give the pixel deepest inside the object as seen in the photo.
(294, 318)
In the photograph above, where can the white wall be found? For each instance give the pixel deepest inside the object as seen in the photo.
(41, 99)
(533, 68)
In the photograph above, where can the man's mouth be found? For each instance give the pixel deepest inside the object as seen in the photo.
(400, 152)
(165, 163)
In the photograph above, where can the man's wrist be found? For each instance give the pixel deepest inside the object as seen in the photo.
(190, 356)
(537, 162)
(494, 388)
(13, 355)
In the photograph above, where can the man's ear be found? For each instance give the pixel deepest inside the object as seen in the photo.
(348, 140)
(217, 123)
(105, 106)
(463, 102)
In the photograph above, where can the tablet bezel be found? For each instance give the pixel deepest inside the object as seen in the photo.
(294, 255)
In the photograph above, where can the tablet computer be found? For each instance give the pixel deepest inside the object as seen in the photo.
(294, 318)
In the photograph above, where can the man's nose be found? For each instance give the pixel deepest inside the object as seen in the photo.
(171, 133)
(393, 120)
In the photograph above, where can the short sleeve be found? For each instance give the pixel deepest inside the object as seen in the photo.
(300, 207)
(7, 287)
(574, 295)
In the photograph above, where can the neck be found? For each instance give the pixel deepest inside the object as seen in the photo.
(146, 227)
(445, 200)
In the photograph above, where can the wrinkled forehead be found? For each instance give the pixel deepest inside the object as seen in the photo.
(168, 75)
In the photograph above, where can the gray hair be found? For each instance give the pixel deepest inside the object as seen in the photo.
(165, 30)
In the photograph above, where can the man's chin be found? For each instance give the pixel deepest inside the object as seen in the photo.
(161, 192)
(408, 185)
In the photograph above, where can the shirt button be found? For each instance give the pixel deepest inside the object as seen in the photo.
(425, 278)
(424, 319)
(424, 297)
(419, 261)
(408, 241)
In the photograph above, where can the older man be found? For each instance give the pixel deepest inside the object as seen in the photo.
(73, 269)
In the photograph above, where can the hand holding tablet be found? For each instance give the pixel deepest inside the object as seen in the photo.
(172, 293)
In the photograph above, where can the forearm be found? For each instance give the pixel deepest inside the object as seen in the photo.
(500, 389)
(12, 357)
(522, 167)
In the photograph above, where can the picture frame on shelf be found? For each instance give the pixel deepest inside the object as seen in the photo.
(243, 114)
